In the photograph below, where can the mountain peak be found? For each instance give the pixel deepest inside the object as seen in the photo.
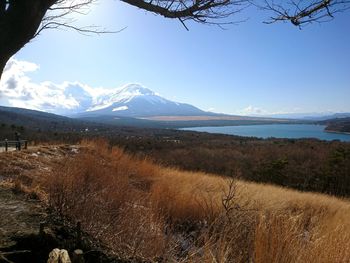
(136, 90)
(123, 95)
(134, 100)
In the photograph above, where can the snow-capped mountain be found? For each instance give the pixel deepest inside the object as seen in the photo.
(132, 100)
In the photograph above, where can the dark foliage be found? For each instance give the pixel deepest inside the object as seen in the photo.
(307, 165)
(338, 125)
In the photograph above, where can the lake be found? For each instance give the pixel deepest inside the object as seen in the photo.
(292, 131)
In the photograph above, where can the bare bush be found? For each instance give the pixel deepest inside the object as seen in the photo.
(142, 211)
(96, 190)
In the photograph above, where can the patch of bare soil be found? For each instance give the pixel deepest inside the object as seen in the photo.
(18, 217)
(28, 230)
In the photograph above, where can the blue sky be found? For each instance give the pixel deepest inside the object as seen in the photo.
(246, 69)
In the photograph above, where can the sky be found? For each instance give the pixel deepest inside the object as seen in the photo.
(249, 68)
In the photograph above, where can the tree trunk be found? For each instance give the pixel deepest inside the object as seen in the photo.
(2, 66)
(19, 21)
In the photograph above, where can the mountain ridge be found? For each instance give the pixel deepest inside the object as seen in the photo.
(134, 100)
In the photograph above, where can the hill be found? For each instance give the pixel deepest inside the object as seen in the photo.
(308, 165)
(38, 120)
(142, 212)
(338, 125)
(42, 126)
(43, 121)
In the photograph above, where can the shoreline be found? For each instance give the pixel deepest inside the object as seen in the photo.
(339, 132)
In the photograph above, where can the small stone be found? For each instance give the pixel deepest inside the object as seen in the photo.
(59, 256)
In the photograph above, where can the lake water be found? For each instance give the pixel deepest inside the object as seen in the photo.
(294, 131)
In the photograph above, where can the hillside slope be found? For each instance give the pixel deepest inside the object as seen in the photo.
(338, 125)
(42, 120)
(188, 217)
(97, 121)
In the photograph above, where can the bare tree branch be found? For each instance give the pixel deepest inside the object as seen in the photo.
(301, 12)
(22, 20)
(60, 15)
(201, 11)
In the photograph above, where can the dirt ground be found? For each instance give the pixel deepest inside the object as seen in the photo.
(20, 213)
(19, 217)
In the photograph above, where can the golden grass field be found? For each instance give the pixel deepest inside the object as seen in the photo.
(143, 211)
(291, 226)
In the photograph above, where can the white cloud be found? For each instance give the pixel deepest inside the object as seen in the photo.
(251, 110)
(293, 113)
(256, 111)
(18, 90)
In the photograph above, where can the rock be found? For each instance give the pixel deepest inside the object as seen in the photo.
(59, 256)
(64, 256)
(54, 256)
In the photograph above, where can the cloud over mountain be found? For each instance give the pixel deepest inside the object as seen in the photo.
(17, 89)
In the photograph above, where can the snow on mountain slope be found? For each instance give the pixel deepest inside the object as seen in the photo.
(132, 100)
(122, 95)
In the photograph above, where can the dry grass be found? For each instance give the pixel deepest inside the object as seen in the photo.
(290, 226)
(100, 189)
(144, 211)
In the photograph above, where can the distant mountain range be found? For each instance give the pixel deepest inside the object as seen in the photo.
(332, 116)
(43, 121)
(134, 100)
(309, 116)
(133, 105)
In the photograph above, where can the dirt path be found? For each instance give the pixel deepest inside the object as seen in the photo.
(19, 217)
